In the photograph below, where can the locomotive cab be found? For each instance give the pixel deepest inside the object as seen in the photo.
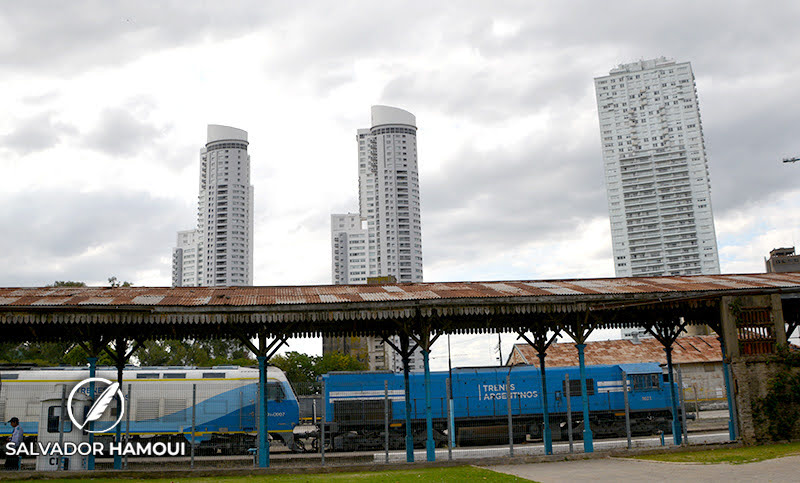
(57, 428)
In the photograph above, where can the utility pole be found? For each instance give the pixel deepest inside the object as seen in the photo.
(500, 349)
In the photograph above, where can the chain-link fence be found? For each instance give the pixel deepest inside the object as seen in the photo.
(194, 418)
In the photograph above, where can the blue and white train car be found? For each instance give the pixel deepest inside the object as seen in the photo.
(355, 403)
(159, 402)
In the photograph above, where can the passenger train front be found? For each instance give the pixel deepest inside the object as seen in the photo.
(159, 403)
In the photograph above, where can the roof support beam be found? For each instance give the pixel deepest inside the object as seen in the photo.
(264, 351)
(579, 327)
(541, 341)
(666, 331)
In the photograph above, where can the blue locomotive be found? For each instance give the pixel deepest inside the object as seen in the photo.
(355, 404)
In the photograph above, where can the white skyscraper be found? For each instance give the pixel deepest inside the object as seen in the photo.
(656, 170)
(390, 245)
(388, 182)
(223, 240)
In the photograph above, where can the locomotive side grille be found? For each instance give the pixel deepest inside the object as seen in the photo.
(173, 410)
(147, 409)
(575, 387)
(364, 411)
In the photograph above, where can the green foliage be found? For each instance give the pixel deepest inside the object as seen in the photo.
(116, 283)
(298, 367)
(305, 368)
(746, 454)
(779, 410)
(452, 474)
(336, 361)
(64, 283)
(47, 354)
(786, 356)
(202, 353)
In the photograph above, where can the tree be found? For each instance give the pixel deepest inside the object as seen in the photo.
(305, 368)
(115, 283)
(337, 361)
(63, 283)
(298, 367)
(201, 353)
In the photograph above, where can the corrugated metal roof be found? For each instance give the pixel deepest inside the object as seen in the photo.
(577, 289)
(686, 350)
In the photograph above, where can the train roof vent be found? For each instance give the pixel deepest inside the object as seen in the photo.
(225, 367)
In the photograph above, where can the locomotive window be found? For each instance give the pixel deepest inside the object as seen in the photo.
(575, 387)
(9, 376)
(644, 382)
(147, 375)
(174, 375)
(275, 392)
(213, 375)
(54, 419)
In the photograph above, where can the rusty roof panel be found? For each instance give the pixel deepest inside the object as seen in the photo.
(145, 299)
(553, 289)
(96, 301)
(326, 294)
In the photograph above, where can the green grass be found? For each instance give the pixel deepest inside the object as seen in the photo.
(736, 456)
(454, 474)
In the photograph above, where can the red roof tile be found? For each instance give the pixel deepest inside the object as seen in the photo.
(686, 350)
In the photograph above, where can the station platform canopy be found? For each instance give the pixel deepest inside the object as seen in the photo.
(67, 313)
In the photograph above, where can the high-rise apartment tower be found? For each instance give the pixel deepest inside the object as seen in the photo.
(384, 240)
(656, 170)
(388, 193)
(223, 240)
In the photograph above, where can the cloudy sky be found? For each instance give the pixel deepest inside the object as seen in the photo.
(105, 107)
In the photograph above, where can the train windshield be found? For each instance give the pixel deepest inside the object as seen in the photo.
(275, 392)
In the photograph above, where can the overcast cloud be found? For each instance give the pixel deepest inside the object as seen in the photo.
(105, 107)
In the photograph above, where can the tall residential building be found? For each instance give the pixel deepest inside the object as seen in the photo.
(348, 249)
(388, 192)
(223, 240)
(656, 170)
(384, 240)
(185, 260)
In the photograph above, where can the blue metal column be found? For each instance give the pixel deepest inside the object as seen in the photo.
(92, 373)
(409, 435)
(430, 445)
(676, 425)
(728, 392)
(120, 403)
(588, 440)
(263, 441)
(546, 436)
